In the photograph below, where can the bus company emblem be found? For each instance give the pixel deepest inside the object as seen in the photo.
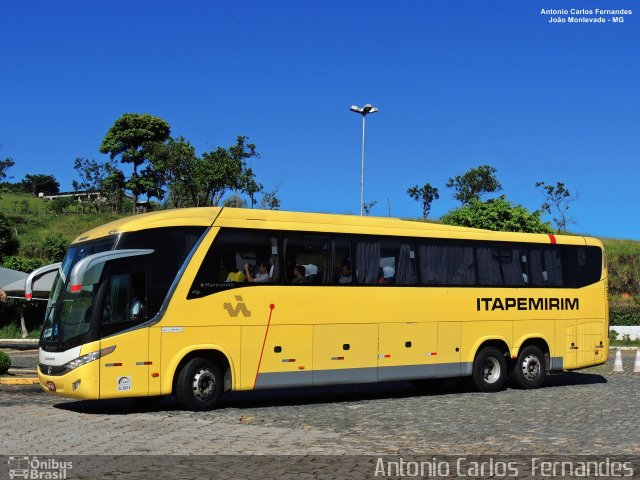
(239, 308)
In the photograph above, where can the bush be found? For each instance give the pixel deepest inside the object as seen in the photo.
(624, 312)
(60, 205)
(54, 247)
(5, 363)
(8, 240)
(22, 264)
(613, 335)
(497, 214)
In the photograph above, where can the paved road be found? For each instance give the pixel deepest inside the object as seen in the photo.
(589, 412)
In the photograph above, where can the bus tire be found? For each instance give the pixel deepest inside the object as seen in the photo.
(529, 370)
(489, 370)
(199, 384)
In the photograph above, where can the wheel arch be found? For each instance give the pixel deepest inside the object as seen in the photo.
(541, 343)
(212, 353)
(497, 342)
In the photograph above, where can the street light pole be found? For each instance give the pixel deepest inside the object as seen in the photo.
(368, 108)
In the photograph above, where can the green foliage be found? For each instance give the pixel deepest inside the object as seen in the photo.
(235, 201)
(5, 363)
(5, 165)
(497, 214)
(203, 181)
(22, 206)
(613, 335)
(36, 183)
(133, 137)
(624, 312)
(8, 240)
(270, 200)
(23, 264)
(425, 195)
(54, 247)
(60, 205)
(623, 259)
(475, 183)
(557, 198)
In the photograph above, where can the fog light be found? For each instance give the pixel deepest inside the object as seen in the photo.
(75, 385)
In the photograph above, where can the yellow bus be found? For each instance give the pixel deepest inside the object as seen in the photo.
(197, 302)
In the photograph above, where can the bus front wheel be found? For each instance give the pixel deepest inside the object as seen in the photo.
(199, 384)
(489, 370)
(529, 369)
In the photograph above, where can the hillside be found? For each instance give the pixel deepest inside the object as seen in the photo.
(34, 220)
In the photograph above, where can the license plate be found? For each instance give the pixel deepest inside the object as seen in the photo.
(51, 386)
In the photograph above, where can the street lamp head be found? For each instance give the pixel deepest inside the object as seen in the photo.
(368, 108)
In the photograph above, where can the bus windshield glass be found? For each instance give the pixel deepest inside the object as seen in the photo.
(67, 316)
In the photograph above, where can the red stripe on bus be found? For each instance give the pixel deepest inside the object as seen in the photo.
(552, 237)
(271, 307)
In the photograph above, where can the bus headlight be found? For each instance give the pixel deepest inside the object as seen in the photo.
(89, 357)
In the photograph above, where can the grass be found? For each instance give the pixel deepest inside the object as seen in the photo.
(13, 331)
(35, 222)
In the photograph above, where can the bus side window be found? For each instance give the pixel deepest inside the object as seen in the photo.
(446, 263)
(502, 265)
(223, 265)
(310, 250)
(546, 267)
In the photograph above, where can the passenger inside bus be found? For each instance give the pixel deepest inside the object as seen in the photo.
(298, 274)
(261, 276)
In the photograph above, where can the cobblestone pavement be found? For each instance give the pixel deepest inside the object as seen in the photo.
(593, 411)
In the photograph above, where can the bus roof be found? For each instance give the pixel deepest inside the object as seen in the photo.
(318, 222)
(177, 217)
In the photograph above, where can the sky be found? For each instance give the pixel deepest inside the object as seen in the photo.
(457, 83)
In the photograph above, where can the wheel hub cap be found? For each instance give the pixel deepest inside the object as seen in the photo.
(204, 384)
(531, 367)
(491, 370)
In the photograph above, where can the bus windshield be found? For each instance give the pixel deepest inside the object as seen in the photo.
(67, 315)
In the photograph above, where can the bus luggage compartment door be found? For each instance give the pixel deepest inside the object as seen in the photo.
(345, 353)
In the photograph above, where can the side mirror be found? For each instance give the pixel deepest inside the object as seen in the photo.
(35, 275)
(89, 269)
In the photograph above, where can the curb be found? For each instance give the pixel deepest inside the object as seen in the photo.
(19, 343)
(19, 381)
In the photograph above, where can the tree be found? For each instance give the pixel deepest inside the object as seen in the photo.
(203, 181)
(5, 165)
(176, 161)
(94, 176)
(425, 195)
(235, 201)
(133, 137)
(497, 214)
(250, 186)
(367, 206)
(37, 183)
(8, 240)
(270, 200)
(474, 183)
(557, 197)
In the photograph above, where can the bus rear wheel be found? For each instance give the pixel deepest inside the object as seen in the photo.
(199, 384)
(529, 370)
(489, 370)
